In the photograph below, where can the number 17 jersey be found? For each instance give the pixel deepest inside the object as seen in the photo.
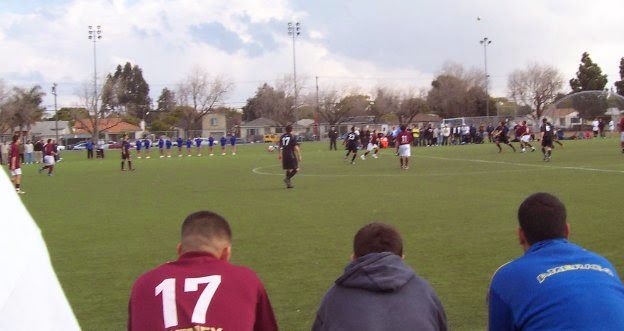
(199, 290)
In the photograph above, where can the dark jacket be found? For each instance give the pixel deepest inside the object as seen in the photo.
(379, 292)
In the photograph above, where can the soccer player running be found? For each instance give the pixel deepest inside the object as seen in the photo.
(404, 143)
(372, 145)
(351, 142)
(290, 154)
(48, 158)
(501, 136)
(547, 136)
(125, 154)
(365, 141)
(525, 136)
(14, 164)
(201, 290)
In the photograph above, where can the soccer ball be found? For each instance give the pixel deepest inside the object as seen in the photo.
(271, 148)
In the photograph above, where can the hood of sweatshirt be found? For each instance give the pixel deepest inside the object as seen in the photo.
(377, 272)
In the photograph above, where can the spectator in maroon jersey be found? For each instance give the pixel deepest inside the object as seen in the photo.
(201, 289)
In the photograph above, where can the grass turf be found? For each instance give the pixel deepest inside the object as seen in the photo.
(455, 208)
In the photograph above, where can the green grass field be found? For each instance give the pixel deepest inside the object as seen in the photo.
(455, 208)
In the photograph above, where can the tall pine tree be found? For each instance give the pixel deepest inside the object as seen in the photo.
(619, 85)
(589, 77)
(126, 92)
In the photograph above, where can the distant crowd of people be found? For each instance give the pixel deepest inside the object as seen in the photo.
(554, 285)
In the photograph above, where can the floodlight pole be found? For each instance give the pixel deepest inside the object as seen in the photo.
(485, 42)
(294, 30)
(94, 36)
(55, 113)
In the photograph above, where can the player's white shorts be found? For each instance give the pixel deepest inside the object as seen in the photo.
(405, 150)
(622, 137)
(526, 138)
(370, 147)
(48, 160)
(16, 172)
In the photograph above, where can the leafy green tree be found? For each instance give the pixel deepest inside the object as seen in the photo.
(271, 103)
(409, 108)
(23, 108)
(126, 92)
(589, 77)
(166, 101)
(619, 85)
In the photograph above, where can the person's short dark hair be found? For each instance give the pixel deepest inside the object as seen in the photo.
(353, 129)
(15, 138)
(377, 238)
(403, 128)
(207, 225)
(544, 120)
(289, 128)
(542, 216)
(49, 141)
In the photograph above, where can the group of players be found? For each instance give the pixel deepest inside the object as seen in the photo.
(50, 151)
(547, 137)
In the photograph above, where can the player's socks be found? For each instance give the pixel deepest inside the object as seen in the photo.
(130, 165)
(353, 158)
(123, 166)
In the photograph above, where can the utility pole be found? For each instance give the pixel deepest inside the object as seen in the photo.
(485, 42)
(56, 129)
(316, 123)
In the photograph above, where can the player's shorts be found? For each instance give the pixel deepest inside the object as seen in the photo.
(16, 172)
(371, 146)
(547, 142)
(49, 160)
(352, 148)
(525, 138)
(125, 156)
(289, 163)
(501, 139)
(622, 137)
(405, 150)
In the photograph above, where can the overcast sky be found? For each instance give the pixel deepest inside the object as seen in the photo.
(361, 43)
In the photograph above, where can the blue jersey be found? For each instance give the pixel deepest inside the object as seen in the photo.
(168, 143)
(138, 145)
(188, 143)
(223, 141)
(161, 143)
(210, 141)
(180, 142)
(557, 285)
(198, 142)
(89, 146)
(232, 140)
(147, 143)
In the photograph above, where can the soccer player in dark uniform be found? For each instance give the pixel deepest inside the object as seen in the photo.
(351, 143)
(501, 136)
(547, 136)
(161, 147)
(189, 143)
(125, 154)
(290, 154)
(180, 143)
(364, 141)
(198, 142)
(333, 136)
(168, 145)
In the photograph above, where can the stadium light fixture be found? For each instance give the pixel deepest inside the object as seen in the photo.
(294, 30)
(485, 42)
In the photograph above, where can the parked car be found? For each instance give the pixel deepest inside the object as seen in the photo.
(78, 147)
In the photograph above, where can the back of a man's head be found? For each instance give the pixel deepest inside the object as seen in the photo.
(377, 238)
(205, 231)
(542, 216)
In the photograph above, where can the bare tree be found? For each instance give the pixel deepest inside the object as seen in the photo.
(410, 106)
(457, 92)
(333, 109)
(23, 107)
(386, 102)
(91, 120)
(202, 94)
(536, 86)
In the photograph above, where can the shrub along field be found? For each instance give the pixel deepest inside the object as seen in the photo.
(455, 208)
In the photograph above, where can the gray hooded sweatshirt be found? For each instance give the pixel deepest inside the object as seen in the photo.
(379, 292)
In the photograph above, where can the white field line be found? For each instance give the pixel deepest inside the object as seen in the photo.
(523, 164)
(258, 171)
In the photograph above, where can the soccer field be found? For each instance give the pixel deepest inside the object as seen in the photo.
(455, 208)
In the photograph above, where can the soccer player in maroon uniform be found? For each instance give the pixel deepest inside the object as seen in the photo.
(14, 164)
(404, 141)
(125, 154)
(621, 125)
(523, 133)
(500, 136)
(201, 290)
(290, 154)
(48, 157)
